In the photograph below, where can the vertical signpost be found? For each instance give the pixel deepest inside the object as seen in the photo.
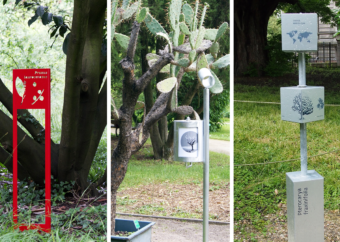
(303, 104)
(31, 90)
(192, 143)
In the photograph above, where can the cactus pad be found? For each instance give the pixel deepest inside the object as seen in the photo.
(202, 62)
(221, 30)
(130, 11)
(181, 39)
(125, 4)
(214, 49)
(217, 87)
(184, 28)
(174, 12)
(166, 85)
(192, 38)
(184, 62)
(166, 37)
(188, 13)
(200, 37)
(192, 56)
(210, 34)
(165, 69)
(153, 25)
(142, 15)
(222, 62)
(122, 40)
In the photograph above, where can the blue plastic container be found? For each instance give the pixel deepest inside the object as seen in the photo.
(141, 235)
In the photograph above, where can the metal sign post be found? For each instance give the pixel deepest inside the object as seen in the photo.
(31, 90)
(192, 143)
(303, 104)
(206, 100)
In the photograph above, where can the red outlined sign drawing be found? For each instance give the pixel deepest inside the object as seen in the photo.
(31, 90)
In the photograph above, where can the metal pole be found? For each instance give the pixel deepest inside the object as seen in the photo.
(302, 69)
(303, 148)
(206, 165)
(303, 126)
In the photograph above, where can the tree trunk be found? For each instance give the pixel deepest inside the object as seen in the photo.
(131, 141)
(250, 34)
(84, 110)
(68, 152)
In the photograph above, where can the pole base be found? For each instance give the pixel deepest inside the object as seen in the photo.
(305, 206)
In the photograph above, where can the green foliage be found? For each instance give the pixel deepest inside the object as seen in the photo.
(279, 62)
(311, 6)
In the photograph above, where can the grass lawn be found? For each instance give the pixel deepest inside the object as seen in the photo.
(223, 133)
(158, 187)
(145, 171)
(261, 136)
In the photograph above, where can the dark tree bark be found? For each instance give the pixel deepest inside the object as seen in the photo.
(250, 37)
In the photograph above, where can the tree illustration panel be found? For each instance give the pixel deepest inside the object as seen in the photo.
(188, 142)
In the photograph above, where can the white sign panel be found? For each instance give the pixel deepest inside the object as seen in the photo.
(299, 32)
(302, 104)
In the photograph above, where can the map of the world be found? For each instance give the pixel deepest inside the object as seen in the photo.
(294, 35)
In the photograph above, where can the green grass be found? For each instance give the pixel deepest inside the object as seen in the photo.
(62, 226)
(143, 172)
(261, 136)
(222, 134)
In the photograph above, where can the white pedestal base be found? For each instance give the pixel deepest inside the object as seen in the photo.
(305, 207)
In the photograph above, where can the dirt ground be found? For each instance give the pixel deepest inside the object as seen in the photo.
(277, 227)
(171, 230)
(175, 200)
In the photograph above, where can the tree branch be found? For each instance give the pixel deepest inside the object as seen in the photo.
(6, 98)
(144, 80)
(7, 160)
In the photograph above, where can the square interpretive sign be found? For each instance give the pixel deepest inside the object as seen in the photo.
(302, 104)
(299, 32)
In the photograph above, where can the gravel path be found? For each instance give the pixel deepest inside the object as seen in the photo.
(219, 146)
(172, 230)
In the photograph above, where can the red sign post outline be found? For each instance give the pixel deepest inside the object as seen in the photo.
(35, 94)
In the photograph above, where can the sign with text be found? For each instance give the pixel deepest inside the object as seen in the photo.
(299, 32)
(31, 90)
(305, 206)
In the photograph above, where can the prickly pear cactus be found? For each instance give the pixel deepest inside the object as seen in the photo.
(188, 40)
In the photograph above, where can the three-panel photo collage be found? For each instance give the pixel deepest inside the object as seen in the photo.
(169, 120)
